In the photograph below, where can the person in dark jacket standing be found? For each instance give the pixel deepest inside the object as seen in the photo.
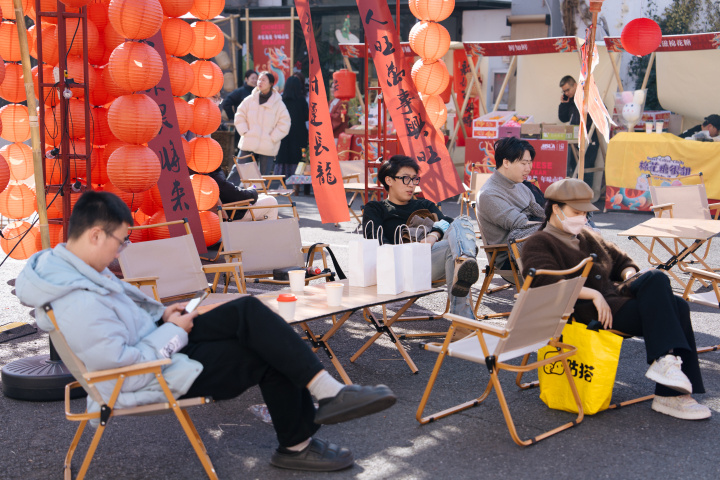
(236, 97)
(291, 146)
(568, 112)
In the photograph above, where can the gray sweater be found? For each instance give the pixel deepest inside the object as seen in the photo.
(505, 207)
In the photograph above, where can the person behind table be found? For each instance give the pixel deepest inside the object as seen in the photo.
(230, 193)
(505, 206)
(109, 324)
(453, 247)
(568, 113)
(648, 308)
(711, 125)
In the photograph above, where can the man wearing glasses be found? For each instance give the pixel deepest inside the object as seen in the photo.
(453, 240)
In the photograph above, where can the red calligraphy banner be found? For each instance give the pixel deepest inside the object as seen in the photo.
(675, 43)
(271, 49)
(522, 47)
(461, 79)
(175, 188)
(418, 138)
(325, 167)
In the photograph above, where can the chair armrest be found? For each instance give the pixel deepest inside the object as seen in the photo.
(141, 280)
(231, 252)
(498, 246)
(705, 274)
(221, 267)
(239, 203)
(273, 177)
(306, 248)
(137, 369)
(356, 176)
(474, 324)
(662, 206)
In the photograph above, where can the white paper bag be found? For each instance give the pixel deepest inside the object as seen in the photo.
(390, 278)
(363, 260)
(417, 266)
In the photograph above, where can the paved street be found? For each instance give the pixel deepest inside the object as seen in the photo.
(633, 442)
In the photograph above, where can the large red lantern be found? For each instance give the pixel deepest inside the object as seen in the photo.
(133, 168)
(99, 167)
(99, 55)
(112, 38)
(149, 206)
(176, 8)
(208, 40)
(641, 36)
(158, 233)
(97, 11)
(2, 71)
(208, 78)
(211, 227)
(56, 236)
(99, 95)
(430, 78)
(17, 201)
(446, 94)
(207, 9)
(75, 3)
(101, 127)
(49, 41)
(436, 110)
(14, 236)
(177, 37)
(52, 96)
(112, 146)
(181, 76)
(113, 89)
(206, 116)
(132, 200)
(15, 122)
(74, 36)
(8, 10)
(135, 19)
(206, 190)
(52, 127)
(184, 114)
(344, 84)
(9, 45)
(4, 173)
(76, 71)
(76, 114)
(429, 40)
(206, 155)
(433, 10)
(12, 88)
(19, 158)
(135, 66)
(134, 119)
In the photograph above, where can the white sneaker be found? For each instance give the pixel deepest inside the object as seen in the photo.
(684, 407)
(666, 371)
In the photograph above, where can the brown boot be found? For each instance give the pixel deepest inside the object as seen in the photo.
(467, 273)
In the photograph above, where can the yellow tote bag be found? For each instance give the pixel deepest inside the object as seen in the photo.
(593, 368)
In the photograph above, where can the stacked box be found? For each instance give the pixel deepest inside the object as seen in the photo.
(488, 126)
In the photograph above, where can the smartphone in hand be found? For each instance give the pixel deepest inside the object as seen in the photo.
(195, 301)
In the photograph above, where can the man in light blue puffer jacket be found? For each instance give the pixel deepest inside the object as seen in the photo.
(109, 323)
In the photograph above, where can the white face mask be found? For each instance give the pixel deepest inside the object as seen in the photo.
(572, 225)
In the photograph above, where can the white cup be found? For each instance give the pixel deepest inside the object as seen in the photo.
(659, 126)
(297, 280)
(286, 305)
(648, 127)
(334, 292)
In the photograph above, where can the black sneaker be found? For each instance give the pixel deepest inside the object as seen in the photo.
(467, 273)
(354, 401)
(319, 456)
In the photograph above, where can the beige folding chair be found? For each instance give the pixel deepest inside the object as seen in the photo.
(88, 380)
(353, 172)
(469, 196)
(250, 175)
(170, 268)
(264, 246)
(491, 252)
(537, 320)
(709, 299)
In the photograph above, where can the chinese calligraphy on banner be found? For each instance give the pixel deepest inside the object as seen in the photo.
(174, 184)
(271, 49)
(419, 139)
(674, 43)
(326, 175)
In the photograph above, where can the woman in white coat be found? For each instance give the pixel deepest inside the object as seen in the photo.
(262, 121)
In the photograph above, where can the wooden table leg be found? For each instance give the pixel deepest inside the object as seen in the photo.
(322, 342)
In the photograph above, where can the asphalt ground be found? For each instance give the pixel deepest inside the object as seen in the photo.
(633, 442)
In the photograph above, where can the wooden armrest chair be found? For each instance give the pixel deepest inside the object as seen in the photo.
(709, 299)
(88, 380)
(250, 175)
(174, 265)
(536, 320)
(469, 196)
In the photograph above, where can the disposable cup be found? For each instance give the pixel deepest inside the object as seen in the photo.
(286, 305)
(297, 280)
(659, 126)
(648, 127)
(334, 292)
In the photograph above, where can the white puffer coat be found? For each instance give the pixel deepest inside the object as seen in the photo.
(261, 127)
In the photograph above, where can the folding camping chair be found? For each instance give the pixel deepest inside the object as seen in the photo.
(264, 246)
(709, 299)
(250, 175)
(170, 268)
(353, 172)
(536, 320)
(469, 196)
(88, 380)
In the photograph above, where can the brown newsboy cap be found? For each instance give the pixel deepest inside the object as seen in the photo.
(573, 192)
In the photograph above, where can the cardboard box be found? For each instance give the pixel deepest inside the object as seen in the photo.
(488, 125)
(560, 132)
(504, 131)
(531, 130)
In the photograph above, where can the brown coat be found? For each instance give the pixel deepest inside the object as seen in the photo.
(543, 251)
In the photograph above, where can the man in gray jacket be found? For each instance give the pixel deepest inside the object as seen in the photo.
(506, 208)
(221, 353)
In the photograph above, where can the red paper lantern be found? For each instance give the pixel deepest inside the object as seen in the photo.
(76, 71)
(12, 88)
(112, 38)
(429, 40)
(8, 9)
(181, 76)
(187, 150)
(641, 36)
(149, 206)
(14, 236)
(208, 78)
(4, 174)
(206, 190)
(56, 236)
(49, 43)
(436, 110)
(134, 119)
(184, 114)
(135, 19)
(211, 228)
(52, 96)
(17, 201)
(113, 89)
(433, 10)
(15, 122)
(133, 168)
(19, 158)
(446, 94)
(76, 118)
(431, 78)
(54, 172)
(9, 45)
(413, 9)
(52, 127)
(99, 95)
(101, 127)
(158, 233)
(2, 71)
(99, 167)
(177, 37)
(176, 8)
(206, 116)
(75, 3)
(207, 9)
(344, 84)
(132, 200)
(135, 66)
(111, 147)
(97, 11)
(99, 55)
(208, 40)
(74, 36)
(206, 155)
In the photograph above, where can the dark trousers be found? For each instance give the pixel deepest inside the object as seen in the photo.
(663, 320)
(243, 343)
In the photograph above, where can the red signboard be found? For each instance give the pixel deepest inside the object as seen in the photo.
(675, 43)
(271, 49)
(522, 47)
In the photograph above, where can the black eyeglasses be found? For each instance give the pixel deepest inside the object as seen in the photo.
(407, 180)
(123, 243)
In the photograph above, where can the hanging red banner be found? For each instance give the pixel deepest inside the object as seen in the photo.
(522, 47)
(461, 79)
(271, 49)
(418, 138)
(674, 43)
(325, 168)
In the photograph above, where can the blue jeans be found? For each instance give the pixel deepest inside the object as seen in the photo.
(458, 240)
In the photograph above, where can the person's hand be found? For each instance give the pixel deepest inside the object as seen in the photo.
(174, 308)
(564, 98)
(603, 309)
(184, 321)
(431, 239)
(442, 225)
(628, 272)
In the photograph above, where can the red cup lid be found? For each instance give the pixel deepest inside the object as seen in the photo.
(286, 297)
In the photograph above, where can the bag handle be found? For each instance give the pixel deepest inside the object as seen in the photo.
(336, 265)
(364, 230)
(395, 235)
(380, 235)
(417, 231)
